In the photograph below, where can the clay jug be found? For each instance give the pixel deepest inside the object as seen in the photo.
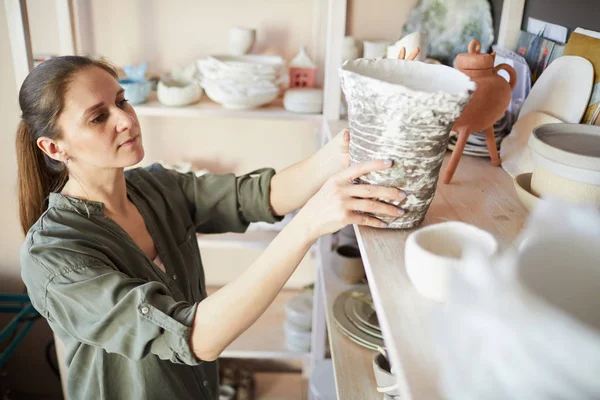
(488, 104)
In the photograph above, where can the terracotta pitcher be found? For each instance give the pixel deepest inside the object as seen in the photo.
(488, 104)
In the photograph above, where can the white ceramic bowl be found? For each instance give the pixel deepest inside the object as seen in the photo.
(172, 92)
(303, 100)
(296, 339)
(233, 98)
(299, 308)
(431, 254)
(567, 162)
(241, 40)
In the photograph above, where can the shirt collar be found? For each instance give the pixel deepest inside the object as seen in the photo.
(80, 206)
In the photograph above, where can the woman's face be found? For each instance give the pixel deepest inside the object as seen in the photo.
(99, 127)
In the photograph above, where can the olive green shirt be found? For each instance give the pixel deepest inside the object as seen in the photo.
(124, 322)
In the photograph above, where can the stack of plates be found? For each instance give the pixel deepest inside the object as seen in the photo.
(241, 82)
(356, 318)
(476, 144)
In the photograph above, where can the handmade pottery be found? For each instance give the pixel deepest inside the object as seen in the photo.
(567, 162)
(303, 100)
(349, 310)
(375, 48)
(522, 184)
(296, 338)
(386, 381)
(347, 264)
(240, 82)
(346, 326)
(299, 308)
(172, 92)
(403, 110)
(432, 253)
(415, 40)
(241, 40)
(514, 151)
(137, 87)
(303, 71)
(488, 104)
(563, 90)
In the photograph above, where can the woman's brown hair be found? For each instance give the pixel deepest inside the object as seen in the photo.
(41, 99)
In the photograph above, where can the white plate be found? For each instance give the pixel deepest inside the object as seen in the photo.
(563, 90)
(514, 151)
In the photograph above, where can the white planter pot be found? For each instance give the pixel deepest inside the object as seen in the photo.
(403, 110)
(567, 162)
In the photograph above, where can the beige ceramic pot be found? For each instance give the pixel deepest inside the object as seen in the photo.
(567, 162)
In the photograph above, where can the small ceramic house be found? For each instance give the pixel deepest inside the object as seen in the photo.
(303, 71)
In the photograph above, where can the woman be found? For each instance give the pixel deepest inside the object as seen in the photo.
(111, 258)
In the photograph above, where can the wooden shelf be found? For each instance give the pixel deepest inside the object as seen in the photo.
(480, 194)
(280, 385)
(352, 364)
(251, 239)
(208, 108)
(265, 339)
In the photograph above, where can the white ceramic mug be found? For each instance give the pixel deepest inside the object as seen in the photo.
(431, 254)
(241, 40)
(375, 48)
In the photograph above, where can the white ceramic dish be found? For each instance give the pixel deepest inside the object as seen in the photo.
(296, 338)
(231, 98)
(567, 162)
(563, 89)
(303, 100)
(514, 151)
(431, 254)
(176, 93)
(299, 308)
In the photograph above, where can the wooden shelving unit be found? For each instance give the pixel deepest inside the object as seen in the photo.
(352, 364)
(482, 195)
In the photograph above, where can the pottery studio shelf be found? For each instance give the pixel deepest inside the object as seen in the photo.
(265, 339)
(208, 108)
(479, 194)
(352, 364)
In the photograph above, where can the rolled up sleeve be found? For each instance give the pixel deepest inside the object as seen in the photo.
(105, 308)
(228, 203)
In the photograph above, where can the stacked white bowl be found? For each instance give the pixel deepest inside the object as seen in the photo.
(298, 323)
(241, 82)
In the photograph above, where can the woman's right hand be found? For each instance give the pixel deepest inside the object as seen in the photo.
(339, 202)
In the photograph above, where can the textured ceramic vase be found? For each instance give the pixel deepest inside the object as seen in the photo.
(403, 110)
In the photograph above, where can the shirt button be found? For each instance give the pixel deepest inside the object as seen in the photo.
(205, 383)
(145, 310)
(174, 277)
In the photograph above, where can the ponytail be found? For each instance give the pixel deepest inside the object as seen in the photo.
(41, 99)
(36, 181)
